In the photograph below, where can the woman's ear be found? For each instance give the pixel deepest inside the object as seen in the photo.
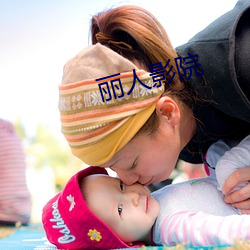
(168, 110)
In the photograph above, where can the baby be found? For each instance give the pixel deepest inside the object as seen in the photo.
(96, 211)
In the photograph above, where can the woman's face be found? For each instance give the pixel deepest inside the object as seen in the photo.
(148, 159)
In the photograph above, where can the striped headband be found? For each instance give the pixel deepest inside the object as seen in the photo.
(104, 101)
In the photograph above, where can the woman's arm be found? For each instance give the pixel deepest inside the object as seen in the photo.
(233, 175)
(237, 157)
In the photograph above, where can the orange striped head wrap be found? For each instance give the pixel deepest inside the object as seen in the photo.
(99, 117)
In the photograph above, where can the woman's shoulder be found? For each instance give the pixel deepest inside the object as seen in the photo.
(215, 47)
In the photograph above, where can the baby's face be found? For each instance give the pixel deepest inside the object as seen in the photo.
(130, 211)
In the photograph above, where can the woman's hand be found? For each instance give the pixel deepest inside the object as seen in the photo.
(241, 197)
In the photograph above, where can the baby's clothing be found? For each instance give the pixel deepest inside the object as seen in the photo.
(194, 212)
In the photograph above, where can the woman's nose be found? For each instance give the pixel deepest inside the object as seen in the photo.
(126, 177)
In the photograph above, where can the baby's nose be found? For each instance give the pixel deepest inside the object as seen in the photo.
(133, 198)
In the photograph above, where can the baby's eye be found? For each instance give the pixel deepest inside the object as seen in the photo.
(121, 185)
(120, 206)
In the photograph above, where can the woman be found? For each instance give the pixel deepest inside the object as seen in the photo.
(154, 121)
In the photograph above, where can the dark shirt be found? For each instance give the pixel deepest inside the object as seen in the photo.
(226, 114)
(212, 125)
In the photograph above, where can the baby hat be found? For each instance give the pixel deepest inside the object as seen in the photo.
(104, 100)
(69, 223)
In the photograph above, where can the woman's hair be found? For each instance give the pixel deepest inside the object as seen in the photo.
(135, 33)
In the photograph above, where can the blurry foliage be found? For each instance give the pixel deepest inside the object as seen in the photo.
(20, 130)
(45, 150)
